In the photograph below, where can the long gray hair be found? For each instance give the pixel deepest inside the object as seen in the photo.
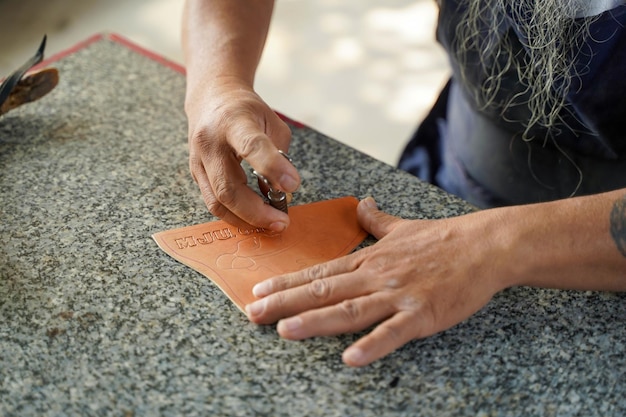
(551, 36)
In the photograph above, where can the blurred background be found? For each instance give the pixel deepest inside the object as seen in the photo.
(364, 72)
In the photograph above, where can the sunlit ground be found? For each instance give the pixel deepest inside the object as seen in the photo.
(363, 72)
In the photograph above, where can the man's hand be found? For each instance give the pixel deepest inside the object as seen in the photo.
(422, 277)
(229, 122)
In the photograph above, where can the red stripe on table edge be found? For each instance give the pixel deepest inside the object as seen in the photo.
(290, 121)
(60, 55)
(146, 52)
(141, 50)
(115, 38)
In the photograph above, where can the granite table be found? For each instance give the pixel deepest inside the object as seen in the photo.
(96, 320)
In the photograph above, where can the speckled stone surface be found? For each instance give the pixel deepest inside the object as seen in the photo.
(96, 320)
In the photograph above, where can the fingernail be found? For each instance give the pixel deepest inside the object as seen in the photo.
(278, 227)
(354, 356)
(370, 203)
(290, 325)
(255, 308)
(262, 289)
(289, 183)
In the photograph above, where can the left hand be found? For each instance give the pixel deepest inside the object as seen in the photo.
(422, 277)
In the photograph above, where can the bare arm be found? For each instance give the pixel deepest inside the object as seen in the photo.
(576, 243)
(228, 121)
(423, 277)
(224, 38)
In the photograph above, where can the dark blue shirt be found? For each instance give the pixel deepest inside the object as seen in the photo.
(482, 154)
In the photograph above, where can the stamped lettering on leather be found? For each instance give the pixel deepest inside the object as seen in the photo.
(235, 259)
(205, 238)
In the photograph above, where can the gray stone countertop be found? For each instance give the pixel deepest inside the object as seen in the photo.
(96, 320)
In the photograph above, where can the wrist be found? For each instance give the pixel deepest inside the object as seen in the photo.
(522, 240)
(211, 91)
(501, 241)
(561, 244)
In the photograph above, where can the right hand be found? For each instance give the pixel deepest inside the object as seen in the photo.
(229, 122)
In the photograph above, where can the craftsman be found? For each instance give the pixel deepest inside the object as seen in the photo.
(530, 128)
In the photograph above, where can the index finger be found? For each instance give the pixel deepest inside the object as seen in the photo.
(251, 143)
(305, 276)
(227, 195)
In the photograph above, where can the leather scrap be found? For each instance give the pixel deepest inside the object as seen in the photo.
(235, 259)
(31, 87)
(21, 88)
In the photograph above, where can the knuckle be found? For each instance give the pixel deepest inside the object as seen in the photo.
(422, 311)
(376, 264)
(200, 140)
(214, 207)
(320, 289)
(217, 209)
(411, 304)
(350, 310)
(316, 272)
(224, 192)
(383, 265)
(250, 144)
(277, 301)
(211, 203)
(393, 284)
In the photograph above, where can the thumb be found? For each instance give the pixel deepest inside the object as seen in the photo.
(376, 222)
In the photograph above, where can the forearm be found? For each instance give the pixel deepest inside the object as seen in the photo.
(224, 39)
(575, 243)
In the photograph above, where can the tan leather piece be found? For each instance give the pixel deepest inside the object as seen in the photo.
(32, 87)
(235, 259)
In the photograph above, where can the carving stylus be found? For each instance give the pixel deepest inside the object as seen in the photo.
(277, 198)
